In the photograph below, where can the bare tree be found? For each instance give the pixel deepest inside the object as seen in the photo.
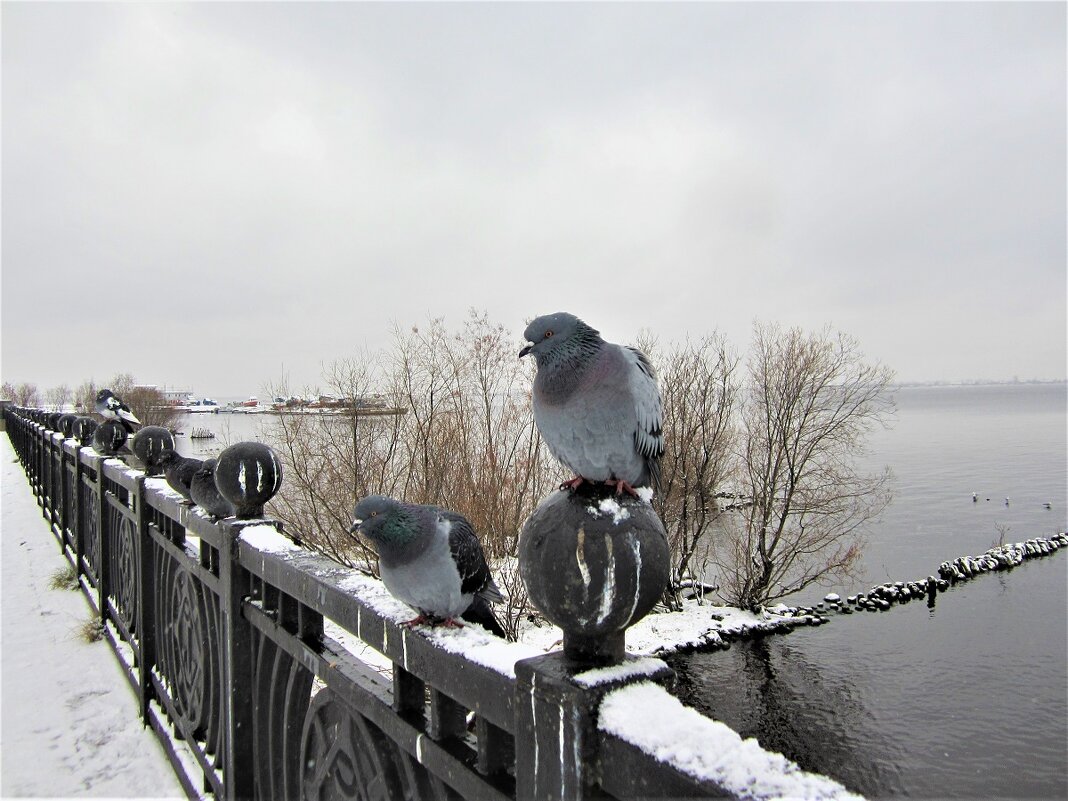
(698, 385)
(463, 438)
(332, 460)
(23, 394)
(85, 397)
(58, 397)
(147, 403)
(150, 406)
(810, 404)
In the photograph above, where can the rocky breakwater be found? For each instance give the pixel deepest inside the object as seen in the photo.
(881, 597)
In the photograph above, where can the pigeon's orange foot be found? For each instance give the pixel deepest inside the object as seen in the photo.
(621, 487)
(416, 621)
(573, 484)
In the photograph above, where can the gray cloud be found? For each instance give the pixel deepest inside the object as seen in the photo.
(227, 188)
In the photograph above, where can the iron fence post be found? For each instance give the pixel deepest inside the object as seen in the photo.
(593, 575)
(238, 765)
(146, 606)
(102, 550)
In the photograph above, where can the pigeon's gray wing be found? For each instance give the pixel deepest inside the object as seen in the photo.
(649, 434)
(470, 561)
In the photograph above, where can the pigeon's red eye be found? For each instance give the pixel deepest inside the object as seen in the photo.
(548, 334)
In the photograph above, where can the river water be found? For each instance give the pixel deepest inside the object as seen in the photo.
(965, 700)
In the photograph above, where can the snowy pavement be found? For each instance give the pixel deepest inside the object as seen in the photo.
(69, 725)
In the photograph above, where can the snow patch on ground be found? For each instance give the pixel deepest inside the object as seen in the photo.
(648, 717)
(70, 725)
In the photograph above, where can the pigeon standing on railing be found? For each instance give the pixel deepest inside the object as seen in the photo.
(431, 559)
(111, 407)
(205, 494)
(596, 404)
(179, 471)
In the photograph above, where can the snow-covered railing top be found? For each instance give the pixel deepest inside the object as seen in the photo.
(269, 671)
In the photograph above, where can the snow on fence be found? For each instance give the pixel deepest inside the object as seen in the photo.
(223, 629)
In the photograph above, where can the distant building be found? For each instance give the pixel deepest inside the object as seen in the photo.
(176, 396)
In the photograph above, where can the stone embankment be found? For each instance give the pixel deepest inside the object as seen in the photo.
(883, 596)
(782, 618)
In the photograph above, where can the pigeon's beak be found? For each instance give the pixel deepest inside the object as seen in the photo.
(525, 351)
(355, 527)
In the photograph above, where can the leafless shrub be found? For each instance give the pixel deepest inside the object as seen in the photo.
(147, 403)
(699, 390)
(1003, 531)
(23, 394)
(58, 397)
(809, 405)
(463, 438)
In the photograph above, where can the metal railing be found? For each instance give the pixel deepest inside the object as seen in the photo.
(225, 648)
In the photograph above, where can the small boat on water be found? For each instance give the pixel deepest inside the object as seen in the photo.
(251, 406)
(202, 405)
(201, 433)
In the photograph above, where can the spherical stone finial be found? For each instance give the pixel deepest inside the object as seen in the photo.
(248, 475)
(52, 421)
(109, 437)
(149, 444)
(84, 428)
(66, 424)
(594, 564)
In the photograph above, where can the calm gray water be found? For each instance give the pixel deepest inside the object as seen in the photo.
(965, 700)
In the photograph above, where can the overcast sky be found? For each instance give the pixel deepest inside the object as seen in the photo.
(203, 194)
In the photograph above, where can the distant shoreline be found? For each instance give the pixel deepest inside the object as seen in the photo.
(982, 382)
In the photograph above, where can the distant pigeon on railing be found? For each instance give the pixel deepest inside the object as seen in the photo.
(111, 407)
(597, 404)
(205, 493)
(431, 559)
(179, 471)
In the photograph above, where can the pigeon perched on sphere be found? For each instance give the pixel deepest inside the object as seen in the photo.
(597, 404)
(431, 559)
(205, 494)
(179, 471)
(111, 407)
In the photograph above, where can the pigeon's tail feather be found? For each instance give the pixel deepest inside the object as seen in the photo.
(653, 466)
(491, 592)
(479, 612)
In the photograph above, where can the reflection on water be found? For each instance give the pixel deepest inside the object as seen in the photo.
(227, 428)
(818, 718)
(965, 700)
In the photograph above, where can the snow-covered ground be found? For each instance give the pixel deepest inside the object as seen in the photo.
(68, 721)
